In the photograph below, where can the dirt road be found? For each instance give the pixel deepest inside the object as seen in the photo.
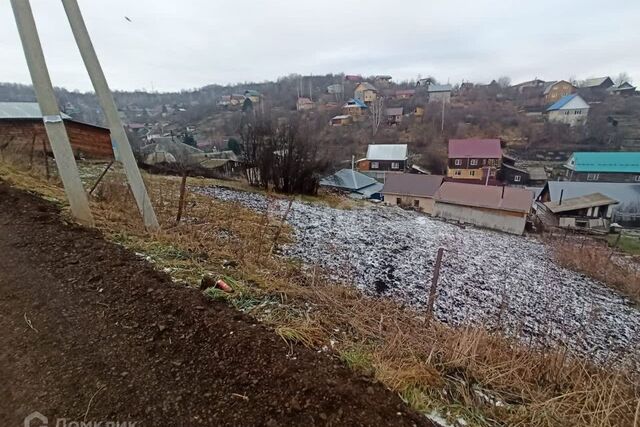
(90, 332)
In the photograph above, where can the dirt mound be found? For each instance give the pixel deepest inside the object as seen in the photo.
(91, 332)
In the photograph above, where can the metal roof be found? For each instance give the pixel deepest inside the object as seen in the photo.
(366, 86)
(347, 179)
(581, 202)
(537, 173)
(395, 111)
(485, 196)
(596, 81)
(23, 110)
(627, 194)
(439, 88)
(355, 103)
(561, 102)
(387, 152)
(481, 148)
(412, 184)
(621, 162)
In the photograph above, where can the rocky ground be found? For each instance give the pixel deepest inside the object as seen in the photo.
(487, 278)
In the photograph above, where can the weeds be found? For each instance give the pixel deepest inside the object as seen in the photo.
(486, 378)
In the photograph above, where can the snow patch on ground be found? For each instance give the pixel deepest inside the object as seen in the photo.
(488, 278)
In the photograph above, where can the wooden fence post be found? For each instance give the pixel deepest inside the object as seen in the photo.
(183, 190)
(434, 284)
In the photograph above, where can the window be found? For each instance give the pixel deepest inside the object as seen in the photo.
(375, 165)
(474, 162)
(592, 176)
(637, 178)
(517, 178)
(457, 173)
(472, 173)
(398, 201)
(416, 203)
(395, 165)
(458, 162)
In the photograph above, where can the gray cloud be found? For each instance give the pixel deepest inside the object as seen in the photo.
(176, 45)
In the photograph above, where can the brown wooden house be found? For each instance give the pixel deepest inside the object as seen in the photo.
(22, 128)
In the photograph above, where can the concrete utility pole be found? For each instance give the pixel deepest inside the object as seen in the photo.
(53, 123)
(105, 96)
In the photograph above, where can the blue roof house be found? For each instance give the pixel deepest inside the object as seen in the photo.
(570, 109)
(604, 167)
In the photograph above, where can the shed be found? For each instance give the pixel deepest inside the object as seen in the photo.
(357, 184)
(22, 126)
(413, 190)
(498, 208)
(588, 211)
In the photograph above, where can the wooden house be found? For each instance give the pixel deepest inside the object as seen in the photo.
(22, 128)
(590, 211)
(474, 159)
(553, 91)
(304, 104)
(603, 167)
(384, 158)
(365, 92)
(355, 108)
(394, 115)
(439, 93)
(342, 120)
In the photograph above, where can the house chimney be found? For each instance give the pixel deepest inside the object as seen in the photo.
(561, 194)
(353, 162)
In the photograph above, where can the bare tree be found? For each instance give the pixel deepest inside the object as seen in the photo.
(504, 81)
(622, 77)
(377, 114)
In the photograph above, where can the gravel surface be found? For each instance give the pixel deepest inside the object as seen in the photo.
(488, 278)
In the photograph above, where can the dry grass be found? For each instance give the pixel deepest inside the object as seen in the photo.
(487, 378)
(600, 262)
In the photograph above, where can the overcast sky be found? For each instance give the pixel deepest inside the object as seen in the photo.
(182, 44)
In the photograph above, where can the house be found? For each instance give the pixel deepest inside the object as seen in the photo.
(22, 128)
(553, 91)
(343, 120)
(627, 195)
(474, 159)
(570, 109)
(591, 211)
(531, 84)
(353, 78)
(404, 94)
(623, 89)
(356, 184)
(415, 190)
(253, 95)
(596, 83)
(439, 93)
(394, 115)
(304, 104)
(498, 208)
(513, 175)
(603, 167)
(384, 158)
(335, 89)
(365, 92)
(354, 108)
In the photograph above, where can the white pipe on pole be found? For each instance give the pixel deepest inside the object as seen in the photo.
(53, 123)
(100, 85)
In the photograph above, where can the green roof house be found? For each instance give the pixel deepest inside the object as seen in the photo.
(603, 167)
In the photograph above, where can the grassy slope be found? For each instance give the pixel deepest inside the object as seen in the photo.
(485, 378)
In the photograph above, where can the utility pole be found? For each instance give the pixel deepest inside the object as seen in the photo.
(442, 125)
(53, 123)
(99, 81)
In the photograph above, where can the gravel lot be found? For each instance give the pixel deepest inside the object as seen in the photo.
(488, 278)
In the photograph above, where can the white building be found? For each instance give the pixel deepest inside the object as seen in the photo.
(570, 109)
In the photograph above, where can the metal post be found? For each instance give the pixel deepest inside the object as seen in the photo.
(53, 123)
(99, 81)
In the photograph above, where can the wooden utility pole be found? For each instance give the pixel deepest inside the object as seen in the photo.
(99, 81)
(434, 284)
(53, 123)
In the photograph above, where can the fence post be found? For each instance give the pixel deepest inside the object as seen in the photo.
(434, 284)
